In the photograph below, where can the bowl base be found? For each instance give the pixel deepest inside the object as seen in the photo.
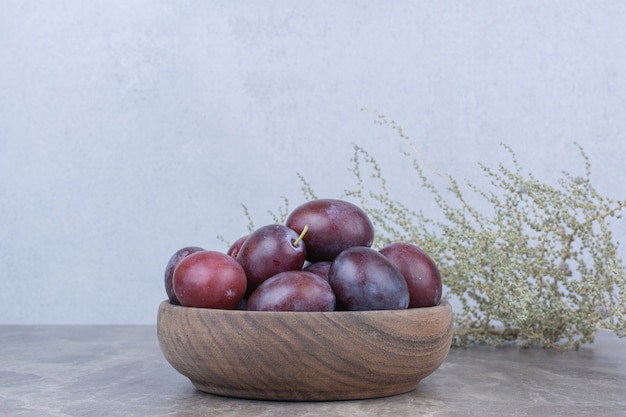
(311, 396)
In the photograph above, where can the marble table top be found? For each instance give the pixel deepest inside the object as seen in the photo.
(97, 371)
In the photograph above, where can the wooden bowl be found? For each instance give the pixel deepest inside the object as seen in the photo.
(295, 356)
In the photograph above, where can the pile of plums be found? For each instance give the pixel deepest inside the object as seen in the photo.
(321, 259)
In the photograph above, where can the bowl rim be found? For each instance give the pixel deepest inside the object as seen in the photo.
(444, 304)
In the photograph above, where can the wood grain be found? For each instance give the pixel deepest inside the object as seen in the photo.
(305, 356)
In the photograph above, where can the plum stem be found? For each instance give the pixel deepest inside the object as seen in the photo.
(297, 241)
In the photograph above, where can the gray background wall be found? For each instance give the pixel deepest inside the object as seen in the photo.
(129, 129)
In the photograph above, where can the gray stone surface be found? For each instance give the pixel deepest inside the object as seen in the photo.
(120, 371)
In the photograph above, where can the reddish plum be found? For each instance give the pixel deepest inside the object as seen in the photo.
(233, 250)
(293, 291)
(269, 250)
(334, 225)
(319, 268)
(178, 256)
(209, 279)
(420, 272)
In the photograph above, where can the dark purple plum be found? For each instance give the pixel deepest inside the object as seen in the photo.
(334, 225)
(364, 279)
(209, 279)
(420, 272)
(233, 249)
(269, 250)
(175, 259)
(293, 291)
(242, 304)
(319, 268)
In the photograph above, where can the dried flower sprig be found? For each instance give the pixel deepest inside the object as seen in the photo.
(541, 269)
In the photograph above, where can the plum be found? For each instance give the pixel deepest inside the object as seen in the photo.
(293, 291)
(268, 250)
(363, 279)
(420, 272)
(233, 249)
(209, 279)
(319, 268)
(334, 225)
(175, 259)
